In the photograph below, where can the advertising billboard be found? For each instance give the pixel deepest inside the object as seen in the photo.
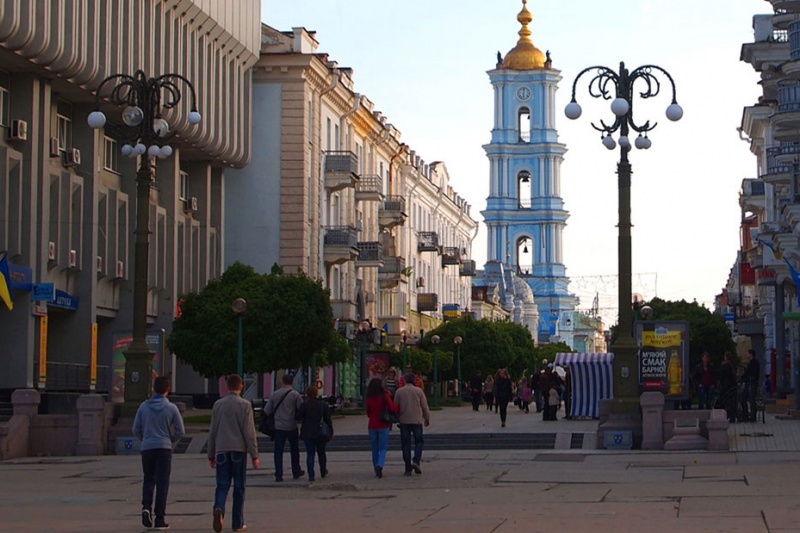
(664, 357)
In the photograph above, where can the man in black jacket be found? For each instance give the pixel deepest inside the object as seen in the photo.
(475, 389)
(750, 380)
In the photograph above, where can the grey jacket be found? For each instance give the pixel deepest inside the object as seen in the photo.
(157, 423)
(232, 427)
(287, 410)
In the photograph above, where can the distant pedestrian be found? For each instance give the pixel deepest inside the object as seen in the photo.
(413, 413)
(727, 382)
(545, 384)
(284, 403)
(488, 392)
(390, 382)
(417, 378)
(504, 393)
(313, 414)
(231, 438)
(704, 377)
(378, 399)
(567, 393)
(750, 381)
(525, 395)
(157, 425)
(476, 389)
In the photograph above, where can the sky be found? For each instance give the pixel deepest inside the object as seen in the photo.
(423, 63)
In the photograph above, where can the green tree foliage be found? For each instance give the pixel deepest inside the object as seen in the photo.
(707, 330)
(548, 351)
(288, 321)
(486, 347)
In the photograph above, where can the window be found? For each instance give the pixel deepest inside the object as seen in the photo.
(524, 124)
(5, 100)
(110, 154)
(64, 125)
(183, 193)
(524, 189)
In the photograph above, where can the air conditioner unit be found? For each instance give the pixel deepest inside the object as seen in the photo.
(120, 272)
(73, 258)
(18, 130)
(191, 205)
(420, 282)
(54, 150)
(51, 251)
(72, 157)
(100, 264)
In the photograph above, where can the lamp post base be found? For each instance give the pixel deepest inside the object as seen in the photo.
(138, 378)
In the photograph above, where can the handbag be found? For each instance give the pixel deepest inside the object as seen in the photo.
(267, 423)
(325, 430)
(387, 416)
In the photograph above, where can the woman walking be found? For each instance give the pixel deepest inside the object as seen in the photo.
(502, 384)
(390, 381)
(378, 399)
(312, 415)
(488, 392)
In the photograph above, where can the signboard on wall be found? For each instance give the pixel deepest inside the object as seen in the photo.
(664, 357)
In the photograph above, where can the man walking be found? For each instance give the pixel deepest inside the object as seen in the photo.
(284, 403)
(750, 379)
(413, 413)
(232, 436)
(157, 424)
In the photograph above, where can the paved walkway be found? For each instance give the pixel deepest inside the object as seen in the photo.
(460, 491)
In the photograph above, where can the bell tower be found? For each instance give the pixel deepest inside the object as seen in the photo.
(525, 213)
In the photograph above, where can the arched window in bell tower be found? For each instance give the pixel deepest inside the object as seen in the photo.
(524, 189)
(524, 256)
(524, 124)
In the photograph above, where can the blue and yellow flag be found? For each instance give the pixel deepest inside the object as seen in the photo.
(5, 283)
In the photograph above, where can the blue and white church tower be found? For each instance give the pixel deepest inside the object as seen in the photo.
(525, 214)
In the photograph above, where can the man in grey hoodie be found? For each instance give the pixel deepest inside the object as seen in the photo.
(157, 424)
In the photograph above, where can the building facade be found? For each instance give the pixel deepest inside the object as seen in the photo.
(334, 192)
(68, 196)
(525, 215)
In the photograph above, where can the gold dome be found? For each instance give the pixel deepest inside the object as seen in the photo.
(524, 56)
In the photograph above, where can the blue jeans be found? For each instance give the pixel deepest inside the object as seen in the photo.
(231, 466)
(156, 466)
(405, 443)
(315, 447)
(704, 394)
(281, 437)
(379, 439)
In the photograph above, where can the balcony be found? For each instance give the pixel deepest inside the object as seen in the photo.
(427, 301)
(370, 254)
(779, 171)
(787, 120)
(451, 255)
(428, 241)
(785, 5)
(771, 46)
(467, 268)
(341, 170)
(393, 272)
(341, 244)
(345, 310)
(393, 212)
(369, 189)
(752, 196)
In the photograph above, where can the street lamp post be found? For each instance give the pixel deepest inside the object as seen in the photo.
(608, 84)
(457, 340)
(146, 134)
(239, 306)
(405, 355)
(435, 340)
(364, 328)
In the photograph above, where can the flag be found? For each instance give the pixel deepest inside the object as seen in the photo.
(795, 278)
(5, 283)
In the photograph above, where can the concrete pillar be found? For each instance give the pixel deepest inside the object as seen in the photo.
(652, 420)
(717, 426)
(26, 402)
(91, 429)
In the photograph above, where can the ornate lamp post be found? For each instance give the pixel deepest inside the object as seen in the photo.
(364, 329)
(239, 306)
(146, 134)
(608, 84)
(457, 340)
(435, 340)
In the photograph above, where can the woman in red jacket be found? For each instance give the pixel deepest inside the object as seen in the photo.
(378, 400)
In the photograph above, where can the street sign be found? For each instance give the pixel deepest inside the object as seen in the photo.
(43, 292)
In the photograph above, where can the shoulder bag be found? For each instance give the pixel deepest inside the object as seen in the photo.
(387, 416)
(325, 430)
(267, 424)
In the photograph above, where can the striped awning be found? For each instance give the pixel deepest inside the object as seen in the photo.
(592, 380)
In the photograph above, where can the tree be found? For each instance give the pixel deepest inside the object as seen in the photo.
(288, 321)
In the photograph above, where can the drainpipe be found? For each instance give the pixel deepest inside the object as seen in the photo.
(335, 77)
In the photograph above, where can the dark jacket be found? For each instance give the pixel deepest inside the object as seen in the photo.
(503, 389)
(727, 377)
(697, 377)
(311, 419)
(751, 372)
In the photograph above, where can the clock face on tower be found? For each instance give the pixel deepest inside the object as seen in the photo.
(523, 94)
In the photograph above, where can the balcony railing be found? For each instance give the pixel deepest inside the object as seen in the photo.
(788, 96)
(341, 170)
(773, 154)
(370, 254)
(427, 301)
(428, 241)
(341, 236)
(451, 255)
(392, 212)
(794, 40)
(369, 189)
(393, 272)
(467, 268)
